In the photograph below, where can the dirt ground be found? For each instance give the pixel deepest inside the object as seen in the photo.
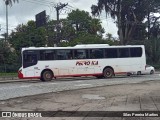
(144, 96)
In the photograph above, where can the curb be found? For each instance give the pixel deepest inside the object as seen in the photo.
(18, 80)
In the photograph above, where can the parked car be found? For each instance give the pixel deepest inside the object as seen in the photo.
(149, 70)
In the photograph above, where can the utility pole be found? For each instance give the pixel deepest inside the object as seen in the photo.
(7, 3)
(58, 7)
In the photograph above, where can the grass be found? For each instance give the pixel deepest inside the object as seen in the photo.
(8, 74)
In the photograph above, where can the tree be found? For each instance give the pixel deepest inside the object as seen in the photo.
(109, 37)
(79, 18)
(153, 44)
(28, 35)
(67, 30)
(8, 58)
(95, 27)
(82, 21)
(127, 13)
(8, 2)
(155, 27)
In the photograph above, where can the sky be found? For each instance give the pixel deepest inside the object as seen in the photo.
(25, 10)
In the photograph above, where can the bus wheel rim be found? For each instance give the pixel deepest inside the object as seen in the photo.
(48, 76)
(108, 73)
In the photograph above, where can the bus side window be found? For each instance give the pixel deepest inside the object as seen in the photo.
(69, 54)
(123, 52)
(64, 54)
(111, 53)
(47, 55)
(80, 54)
(30, 58)
(96, 53)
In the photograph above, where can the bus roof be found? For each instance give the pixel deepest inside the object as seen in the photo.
(82, 46)
(91, 45)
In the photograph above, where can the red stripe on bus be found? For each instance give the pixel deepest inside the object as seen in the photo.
(78, 75)
(20, 75)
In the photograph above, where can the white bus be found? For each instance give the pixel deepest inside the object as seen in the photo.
(99, 60)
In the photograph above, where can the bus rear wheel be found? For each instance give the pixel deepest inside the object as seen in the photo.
(108, 72)
(99, 77)
(47, 76)
(139, 73)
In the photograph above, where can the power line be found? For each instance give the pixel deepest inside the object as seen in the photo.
(45, 1)
(50, 5)
(37, 3)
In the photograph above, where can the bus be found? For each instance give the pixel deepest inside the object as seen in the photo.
(99, 60)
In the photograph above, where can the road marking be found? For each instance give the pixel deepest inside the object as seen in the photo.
(78, 81)
(94, 97)
(26, 86)
(54, 83)
(83, 85)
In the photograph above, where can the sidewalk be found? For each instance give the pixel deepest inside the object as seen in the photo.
(132, 97)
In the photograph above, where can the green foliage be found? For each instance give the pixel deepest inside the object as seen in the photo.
(84, 22)
(85, 38)
(153, 50)
(8, 58)
(156, 66)
(129, 16)
(80, 19)
(28, 35)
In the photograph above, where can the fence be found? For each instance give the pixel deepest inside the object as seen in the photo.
(8, 70)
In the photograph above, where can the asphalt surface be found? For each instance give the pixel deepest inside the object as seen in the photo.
(125, 94)
(27, 88)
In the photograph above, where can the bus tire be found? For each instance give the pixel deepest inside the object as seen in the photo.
(47, 75)
(42, 79)
(139, 73)
(108, 72)
(151, 72)
(99, 77)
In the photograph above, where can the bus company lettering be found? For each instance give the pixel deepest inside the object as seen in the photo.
(82, 63)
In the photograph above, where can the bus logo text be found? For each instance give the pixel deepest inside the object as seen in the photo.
(82, 63)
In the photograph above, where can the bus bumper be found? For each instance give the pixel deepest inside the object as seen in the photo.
(20, 75)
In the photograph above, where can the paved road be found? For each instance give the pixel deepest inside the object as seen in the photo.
(19, 89)
(134, 96)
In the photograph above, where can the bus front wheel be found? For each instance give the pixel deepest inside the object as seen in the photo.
(47, 76)
(108, 72)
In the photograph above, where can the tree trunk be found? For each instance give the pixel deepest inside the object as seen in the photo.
(119, 22)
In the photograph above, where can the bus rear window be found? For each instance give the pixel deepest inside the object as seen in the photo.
(136, 52)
